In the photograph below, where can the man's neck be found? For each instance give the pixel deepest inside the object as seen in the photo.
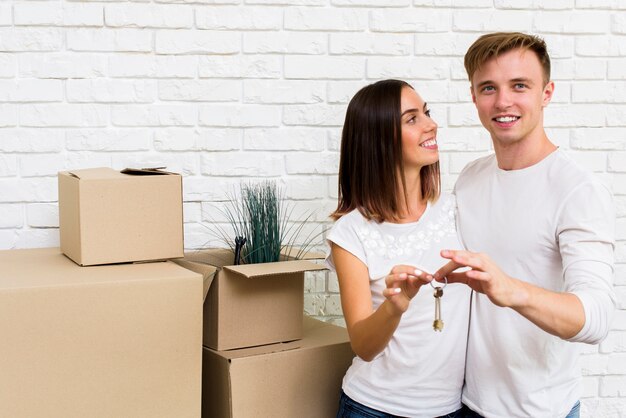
(522, 154)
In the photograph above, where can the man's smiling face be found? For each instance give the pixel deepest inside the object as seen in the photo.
(509, 92)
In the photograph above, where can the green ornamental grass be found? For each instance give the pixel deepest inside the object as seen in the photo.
(263, 218)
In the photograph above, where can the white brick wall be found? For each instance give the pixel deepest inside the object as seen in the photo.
(224, 90)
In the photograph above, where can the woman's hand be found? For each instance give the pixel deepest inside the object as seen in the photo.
(402, 284)
(371, 329)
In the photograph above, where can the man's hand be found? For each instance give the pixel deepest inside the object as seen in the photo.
(484, 277)
(557, 313)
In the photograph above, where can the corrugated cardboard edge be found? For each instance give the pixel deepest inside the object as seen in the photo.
(207, 271)
(147, 171)
(311, 328)
(182, 214)
(93, 173)
(216, 398)
(257, 350)
(274, 269)
(217, 257)
(223, 258)
(69, 215)
(291, 253)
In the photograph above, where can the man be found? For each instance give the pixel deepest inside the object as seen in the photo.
(539, 234)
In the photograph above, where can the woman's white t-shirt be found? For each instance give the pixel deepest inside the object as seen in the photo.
(420, 372)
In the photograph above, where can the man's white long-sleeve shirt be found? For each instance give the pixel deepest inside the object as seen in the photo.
(552, 225)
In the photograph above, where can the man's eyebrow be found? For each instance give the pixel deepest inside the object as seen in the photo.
(522, 79)
(484, 83)
(513, 80)
(414, 110)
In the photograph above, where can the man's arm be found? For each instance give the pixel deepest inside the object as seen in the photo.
(559, 314)
(582, 311)
(586, 238)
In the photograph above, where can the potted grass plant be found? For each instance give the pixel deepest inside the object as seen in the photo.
(262, 225)
(260, 301)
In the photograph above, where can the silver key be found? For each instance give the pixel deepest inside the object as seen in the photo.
(438, 322)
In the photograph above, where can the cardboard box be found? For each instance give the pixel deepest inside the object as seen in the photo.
(250, 304)
(106, 216)
(298, 379)
(107, 341)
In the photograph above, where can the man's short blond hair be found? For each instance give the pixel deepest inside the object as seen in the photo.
(495, 44)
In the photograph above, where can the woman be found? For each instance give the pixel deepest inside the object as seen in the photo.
(391, 223)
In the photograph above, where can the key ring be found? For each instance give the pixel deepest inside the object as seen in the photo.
(442, 287)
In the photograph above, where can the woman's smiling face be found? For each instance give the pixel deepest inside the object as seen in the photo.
(419, 131)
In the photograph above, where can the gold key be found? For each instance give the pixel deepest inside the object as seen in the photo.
(438, 323)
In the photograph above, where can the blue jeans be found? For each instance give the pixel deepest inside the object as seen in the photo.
(575, 412)
(468, 413)
(349, 408)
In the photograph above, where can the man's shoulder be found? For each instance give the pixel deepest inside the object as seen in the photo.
(477, 167)
(570, 173)
(481, 163)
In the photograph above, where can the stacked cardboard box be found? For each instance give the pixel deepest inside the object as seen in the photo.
(125, 339)
(300, 379)
(107, 216)
(251, 304)
(262, 357)
(104, 341)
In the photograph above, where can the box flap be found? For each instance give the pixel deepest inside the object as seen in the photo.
(309, 324)
(218, 257)
(223, 258)
(147, 171)
(109, 173)
(93, 173)
(290, 253)
(69, 215)
(274, 269)
(258, 350)
(320, 333)
(207, 271)
(45, 267)
(316, 333)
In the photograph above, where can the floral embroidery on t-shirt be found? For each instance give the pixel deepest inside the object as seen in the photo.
(418, 238)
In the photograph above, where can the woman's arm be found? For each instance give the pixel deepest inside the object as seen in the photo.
(369, 330)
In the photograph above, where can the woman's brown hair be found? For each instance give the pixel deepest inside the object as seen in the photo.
(371, 155)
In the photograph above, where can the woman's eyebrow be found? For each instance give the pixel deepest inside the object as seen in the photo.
(415, 110)
(409, 111)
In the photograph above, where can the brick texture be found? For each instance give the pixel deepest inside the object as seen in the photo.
(225, 91)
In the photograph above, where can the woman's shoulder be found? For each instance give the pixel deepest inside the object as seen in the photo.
(353, 216)
(352, 220)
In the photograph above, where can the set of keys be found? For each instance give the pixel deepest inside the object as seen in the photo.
(438, 322)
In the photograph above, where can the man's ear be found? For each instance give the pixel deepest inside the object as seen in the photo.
(472, 93)
(548, 92)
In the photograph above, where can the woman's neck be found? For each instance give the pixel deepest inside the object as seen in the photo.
(412, 209)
